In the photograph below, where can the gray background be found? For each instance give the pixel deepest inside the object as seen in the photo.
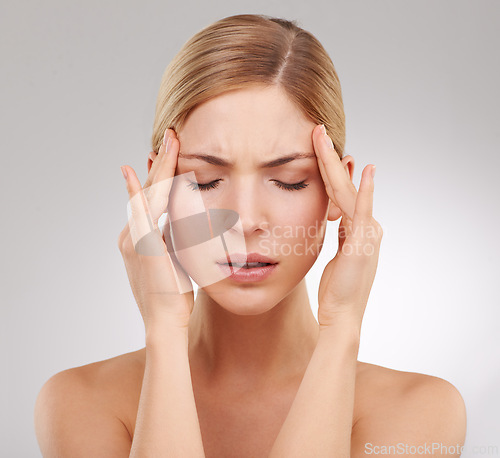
(79, 82)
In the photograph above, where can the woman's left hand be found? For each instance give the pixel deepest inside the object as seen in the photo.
(347, 279)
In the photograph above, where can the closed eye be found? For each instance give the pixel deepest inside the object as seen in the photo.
(214, 184)
(203, 186)
(293, 186)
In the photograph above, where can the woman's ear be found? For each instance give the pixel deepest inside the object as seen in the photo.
(334, 212)
(151, 158)
(348, 163)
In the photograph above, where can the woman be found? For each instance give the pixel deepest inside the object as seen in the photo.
(248, 165)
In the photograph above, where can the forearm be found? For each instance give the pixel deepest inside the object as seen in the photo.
(319, 422)
(167, 422)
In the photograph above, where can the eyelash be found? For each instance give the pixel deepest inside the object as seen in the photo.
(213, 184)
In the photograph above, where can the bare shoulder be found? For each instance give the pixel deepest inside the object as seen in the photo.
(405, 408)
(88, 404)
(108, 375)
(109, 380)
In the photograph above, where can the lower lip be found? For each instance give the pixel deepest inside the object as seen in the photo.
(248, 275)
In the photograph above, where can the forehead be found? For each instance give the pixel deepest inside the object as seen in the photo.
(257, 118)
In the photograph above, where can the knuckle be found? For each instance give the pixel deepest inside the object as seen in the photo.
(374, 230)
(121, 238)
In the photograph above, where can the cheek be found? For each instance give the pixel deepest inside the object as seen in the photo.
(304, 208)
(298, 230)
(183, 201)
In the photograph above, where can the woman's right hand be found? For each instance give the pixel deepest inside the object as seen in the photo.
(162, 289)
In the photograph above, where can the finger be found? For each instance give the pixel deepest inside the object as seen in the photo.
(345, 228)
(139, 217)
(342, 191)
(364, 200)
(158, 191)
(324, 176)
(156, 160)
(329, 189)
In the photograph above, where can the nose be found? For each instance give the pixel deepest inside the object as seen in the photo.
(248, 198)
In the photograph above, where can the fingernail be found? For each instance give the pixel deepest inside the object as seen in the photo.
(373, 171)
(328, 141)
(165, 136)
(169, 143)
(124, 172)
(323, 130)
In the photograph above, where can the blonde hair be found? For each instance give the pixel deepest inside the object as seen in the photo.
(238, 51)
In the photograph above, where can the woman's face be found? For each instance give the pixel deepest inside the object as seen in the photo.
(242, 130)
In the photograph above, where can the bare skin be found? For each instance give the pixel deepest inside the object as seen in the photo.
(250, 348)
(239, 424)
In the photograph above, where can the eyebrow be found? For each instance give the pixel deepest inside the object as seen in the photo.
(214, 160)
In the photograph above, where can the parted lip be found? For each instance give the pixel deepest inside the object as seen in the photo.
(250, 257)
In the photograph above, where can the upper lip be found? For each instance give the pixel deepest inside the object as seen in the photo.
(242, 258)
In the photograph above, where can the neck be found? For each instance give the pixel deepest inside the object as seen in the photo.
(272, 347)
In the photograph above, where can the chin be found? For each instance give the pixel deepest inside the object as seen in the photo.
(252, 310)
(243, 300)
